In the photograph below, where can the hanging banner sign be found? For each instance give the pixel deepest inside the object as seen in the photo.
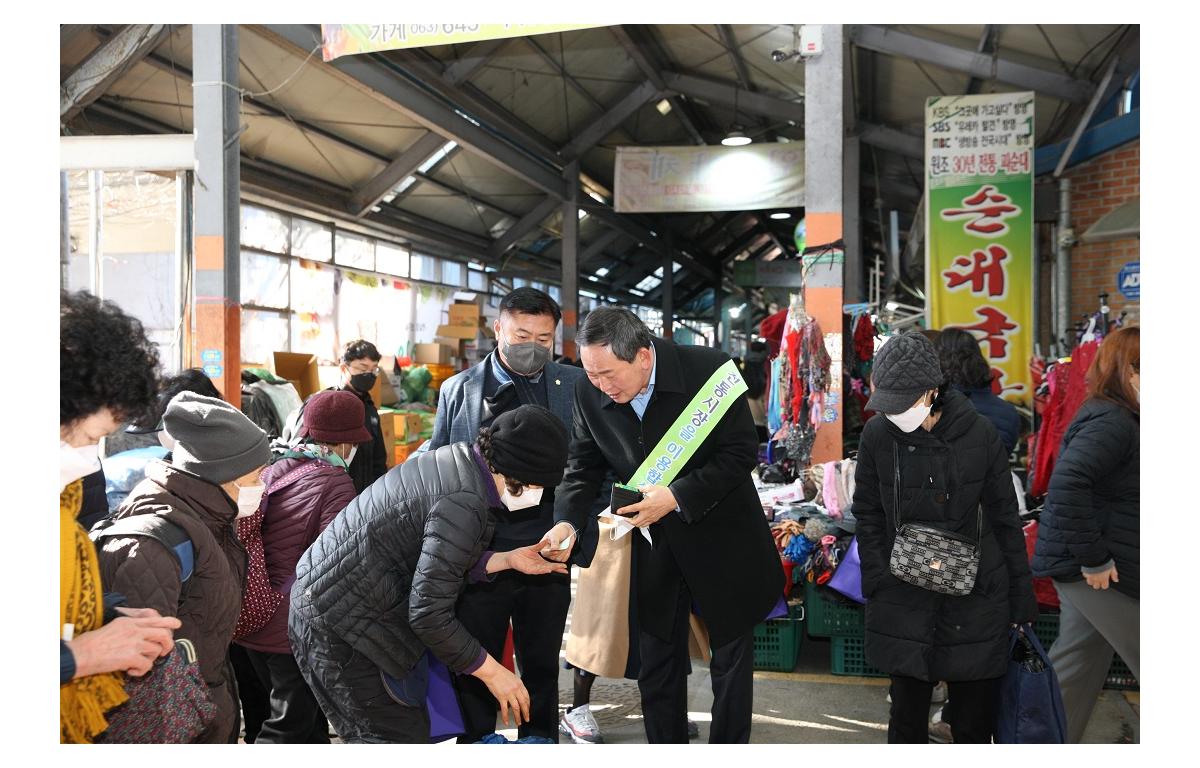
(780, 273)
(979, 243)
(346, 39)
(691, 179)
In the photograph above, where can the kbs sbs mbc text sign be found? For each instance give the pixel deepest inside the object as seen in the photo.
(979, 228)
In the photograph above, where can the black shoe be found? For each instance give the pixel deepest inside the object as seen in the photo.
(693, 730)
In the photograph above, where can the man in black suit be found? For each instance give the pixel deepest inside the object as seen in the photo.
(712, 548)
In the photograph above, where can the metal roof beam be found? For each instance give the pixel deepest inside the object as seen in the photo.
(908, 46)
(106, 65)
(595, 249)
(892, 140)
(652, 70)
(529, 222)
(630, 103)
(379, 81)
(987, 46)
(562, 72)
(406, 164)
(762, 222)
(730, 94)
(473, 60)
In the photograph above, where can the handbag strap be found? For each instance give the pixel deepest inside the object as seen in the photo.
(896, 484)
(896, 498)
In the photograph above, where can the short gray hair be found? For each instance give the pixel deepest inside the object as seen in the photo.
(618, 329)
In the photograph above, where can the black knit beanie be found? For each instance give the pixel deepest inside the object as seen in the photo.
(527, 444)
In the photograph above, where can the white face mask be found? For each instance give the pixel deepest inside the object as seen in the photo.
(249, 498)
(74, 463)
(912, 418)
(1137, 392)
(165, 440)
(350, 456)
(530, 497)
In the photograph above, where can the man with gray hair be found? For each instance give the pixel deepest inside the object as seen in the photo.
(708, 516)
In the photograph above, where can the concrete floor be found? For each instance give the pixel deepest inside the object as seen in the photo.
(810, 706)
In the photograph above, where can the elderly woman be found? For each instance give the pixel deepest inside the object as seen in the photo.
(213, 477)
(933, 459)
(372, 620)
(106, 367)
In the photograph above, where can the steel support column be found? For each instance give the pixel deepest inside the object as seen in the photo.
(216, 287)
(570, 258)
(668, 289)
(824, 158)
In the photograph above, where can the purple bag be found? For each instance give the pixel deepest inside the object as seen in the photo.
(847, 579)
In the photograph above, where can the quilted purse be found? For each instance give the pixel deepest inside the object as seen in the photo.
(170, 704)
(929, 557)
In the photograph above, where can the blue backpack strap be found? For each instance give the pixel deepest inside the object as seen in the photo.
(156, 527)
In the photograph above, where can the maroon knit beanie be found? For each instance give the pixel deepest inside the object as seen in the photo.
(335, 416)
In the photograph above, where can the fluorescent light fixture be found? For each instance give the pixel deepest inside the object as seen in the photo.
(781, 215)
(736, 139)
(581, 213)
(663, 107)
(736, 312)
(596, 196)
(603, 271)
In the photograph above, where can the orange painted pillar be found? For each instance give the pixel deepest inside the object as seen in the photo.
(825, 84)
(216, 284)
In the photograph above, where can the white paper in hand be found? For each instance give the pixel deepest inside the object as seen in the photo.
(622, 526)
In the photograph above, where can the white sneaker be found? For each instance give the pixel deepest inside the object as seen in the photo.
(579, 724)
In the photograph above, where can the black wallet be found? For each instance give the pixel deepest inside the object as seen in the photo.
(623, 496)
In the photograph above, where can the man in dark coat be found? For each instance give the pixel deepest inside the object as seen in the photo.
(519, 372)
(953, 475)
(712, 547)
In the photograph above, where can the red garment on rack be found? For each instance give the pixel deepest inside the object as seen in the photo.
(864, 338)
(771, 329)
(1068, 390)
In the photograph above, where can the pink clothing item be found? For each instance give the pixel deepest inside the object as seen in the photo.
(829, 491)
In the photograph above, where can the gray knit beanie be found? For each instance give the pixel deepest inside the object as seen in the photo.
(213, 439)
(906, 367)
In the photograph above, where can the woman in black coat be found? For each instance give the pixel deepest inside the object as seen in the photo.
(1089, 537)
(953, 475)
(372, 619)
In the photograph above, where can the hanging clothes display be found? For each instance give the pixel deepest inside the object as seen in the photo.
(1068, 390)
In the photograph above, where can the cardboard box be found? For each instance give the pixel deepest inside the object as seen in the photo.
(433, 354)
(402, 451)
(464, 315)
(300, 369)
(470, 297)
(459, 332)
(387, 426)
(412, 426)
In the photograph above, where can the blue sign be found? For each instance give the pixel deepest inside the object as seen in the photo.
(213, 371)
(1129, 281)
(210, 355)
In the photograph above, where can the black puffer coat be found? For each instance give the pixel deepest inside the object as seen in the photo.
(1093, 506)
(945, 475)
(384, 576)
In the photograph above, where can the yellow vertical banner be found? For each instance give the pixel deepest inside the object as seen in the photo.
(979, 257)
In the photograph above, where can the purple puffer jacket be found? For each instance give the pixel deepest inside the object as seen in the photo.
(310, 503)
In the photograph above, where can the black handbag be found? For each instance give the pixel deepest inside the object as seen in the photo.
(929, 557)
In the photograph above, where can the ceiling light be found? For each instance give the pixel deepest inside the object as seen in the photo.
(663, 107)
(781, 215)
(736, 139)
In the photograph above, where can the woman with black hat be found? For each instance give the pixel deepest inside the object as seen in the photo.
(372, 619)
(934, 461)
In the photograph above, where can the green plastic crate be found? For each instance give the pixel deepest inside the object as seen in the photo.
(829, 615)
(848, 656)
(1120, 677)
(777, 642)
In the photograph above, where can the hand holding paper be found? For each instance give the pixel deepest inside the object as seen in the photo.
(558, 543)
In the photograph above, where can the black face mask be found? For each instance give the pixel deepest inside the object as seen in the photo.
(363, 381)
